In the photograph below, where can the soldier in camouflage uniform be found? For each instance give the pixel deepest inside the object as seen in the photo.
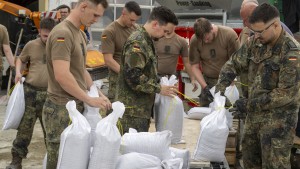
(35, 91)
(138, 81)
(271, 59)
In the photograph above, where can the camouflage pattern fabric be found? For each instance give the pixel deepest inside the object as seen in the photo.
(273, 99)
(138, 81)
(112, 77)
(211, 82)
(140, 124)
(56, 119)
(35, 98)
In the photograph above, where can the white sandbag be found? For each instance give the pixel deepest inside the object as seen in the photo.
(74, 149)
(92, 113)
(232, 93)
(184, 154)
(138, 161)
(175, 163)
(213, 134)
(108, 139)
(198, 113)
(169, 112)
(45, 162)
(15, 107)
(156, 144)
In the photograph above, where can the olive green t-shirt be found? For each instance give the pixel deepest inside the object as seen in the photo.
(168, 51)
(113, 39)
(212, 56)
(66, 42)
(4, 40)
(35, 52)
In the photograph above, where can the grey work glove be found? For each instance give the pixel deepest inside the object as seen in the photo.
(240, 108)
(207, 94)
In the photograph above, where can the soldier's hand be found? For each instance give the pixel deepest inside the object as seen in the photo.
(240, 107)
(100, 102)
(195, 85)
(18, 77)
(168, 90)
(207, 94)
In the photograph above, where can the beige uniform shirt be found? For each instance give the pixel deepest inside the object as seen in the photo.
(113, 38)
(66, 42)
(168, 51)
(213, 56)
(35, 52)
(4, 40)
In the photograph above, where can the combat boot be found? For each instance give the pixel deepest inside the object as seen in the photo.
(16, 162)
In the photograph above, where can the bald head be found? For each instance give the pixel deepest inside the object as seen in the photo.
(247, 8)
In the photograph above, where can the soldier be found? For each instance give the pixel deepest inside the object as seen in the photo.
(5, 50)
(168, 50)
(35, 90)
(64, 10)
(271, 60)
(68, 77)
(113, 39)
(138, 81)
(211, 46)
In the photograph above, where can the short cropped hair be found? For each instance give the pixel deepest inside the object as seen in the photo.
(202, 26)
(63, 6)
(104, 3)
(264, 13)
(132, 6)
(47, 23)
(163, 15)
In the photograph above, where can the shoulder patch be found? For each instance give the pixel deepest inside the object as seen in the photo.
(60, 39)
(293, 58)
(103, 36)
(136, 48)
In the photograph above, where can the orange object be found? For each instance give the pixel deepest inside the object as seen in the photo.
(94, 59)
(13, 8)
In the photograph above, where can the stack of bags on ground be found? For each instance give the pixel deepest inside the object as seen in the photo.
(104, 148)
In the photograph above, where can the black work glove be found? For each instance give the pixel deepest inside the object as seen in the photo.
(207, 94)
(240, 108)
(257, 103)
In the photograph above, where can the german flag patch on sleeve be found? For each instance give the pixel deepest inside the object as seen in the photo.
(103, 36)
(60, 39)
(293, 58)
(136, 48)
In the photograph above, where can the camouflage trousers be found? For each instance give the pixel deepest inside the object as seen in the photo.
(140, 124)
(211, 82)
(268, 140)
(35, 98)
(113, 78)
(56, 119)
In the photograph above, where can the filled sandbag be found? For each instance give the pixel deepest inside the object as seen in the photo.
(198, 113)
(92, 113)
(184, 154)
(108, 138)
(15, 107)
(175, 163)
(213, 133)
(74, 149)
(169, 112)
(138, 161)
(156, 144)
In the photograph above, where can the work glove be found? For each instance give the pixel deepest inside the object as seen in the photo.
(240, 108)
(255, 105)
(207, 94)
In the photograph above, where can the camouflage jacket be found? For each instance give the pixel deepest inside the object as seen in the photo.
(272, 75)
(138, 81)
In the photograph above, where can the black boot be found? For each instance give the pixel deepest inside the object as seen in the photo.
(16, 162)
